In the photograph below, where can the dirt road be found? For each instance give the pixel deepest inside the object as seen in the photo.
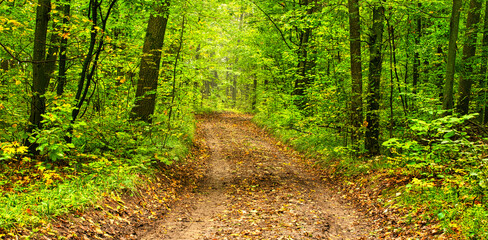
(254, 188)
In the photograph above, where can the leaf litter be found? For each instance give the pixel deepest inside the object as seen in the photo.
(255, 188)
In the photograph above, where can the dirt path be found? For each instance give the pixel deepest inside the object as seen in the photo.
(254, 189)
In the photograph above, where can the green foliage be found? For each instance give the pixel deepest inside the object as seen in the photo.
(102, 151)
(10, 149)
(43, 191)
(437, 146)
(52, 137)
(453, 172)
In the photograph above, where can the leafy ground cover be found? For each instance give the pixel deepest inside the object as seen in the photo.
(112, 203)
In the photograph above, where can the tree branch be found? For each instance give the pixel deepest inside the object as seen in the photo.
(276, 26)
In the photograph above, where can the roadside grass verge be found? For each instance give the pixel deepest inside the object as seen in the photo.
(34, 192)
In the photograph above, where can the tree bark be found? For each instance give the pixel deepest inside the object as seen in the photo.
(304, 65)
(416, 56)
(255, 92)
(469, 54)
(483, 108)
(40, 76)
(62, 50)
(372, 144)
(448, 102)
(53, 51)
(356, 69)
(150, 64)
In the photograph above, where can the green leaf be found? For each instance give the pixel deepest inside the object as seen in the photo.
(449, 134)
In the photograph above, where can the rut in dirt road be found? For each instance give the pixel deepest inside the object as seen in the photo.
(256, 190)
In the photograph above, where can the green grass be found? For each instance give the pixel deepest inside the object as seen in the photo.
(38, 201)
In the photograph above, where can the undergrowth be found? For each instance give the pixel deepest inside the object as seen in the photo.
(107, 157)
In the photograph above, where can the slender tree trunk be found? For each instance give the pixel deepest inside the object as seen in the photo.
(469, 53)
(90, 62)
(175, 68)
(448, 102)
(356, 69)
(234, 91)
(375, 67)
(439, 80)
(53, 51)
(40, 76)
(303, 80)
(82, 89)
(167, 65)
(416, 56)
(483, 108)
(255, 92)
(150, 64)
(391, 33)
(196, 83)
(62, 50)
(391, 42)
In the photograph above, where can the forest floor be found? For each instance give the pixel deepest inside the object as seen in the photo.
(238, 183)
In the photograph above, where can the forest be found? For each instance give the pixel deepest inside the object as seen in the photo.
(388, 100)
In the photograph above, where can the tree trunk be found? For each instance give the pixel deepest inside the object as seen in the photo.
(62, 51)
(53, 51)
(484, 67)
(416, 56)
(469, 53)
(448, 102)
(40, 77)
(90, 62)
(356, 69)
(375, 67)
(303, 80)
(439, 78)
(255, 93)
(150, 64)
(234, 90)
